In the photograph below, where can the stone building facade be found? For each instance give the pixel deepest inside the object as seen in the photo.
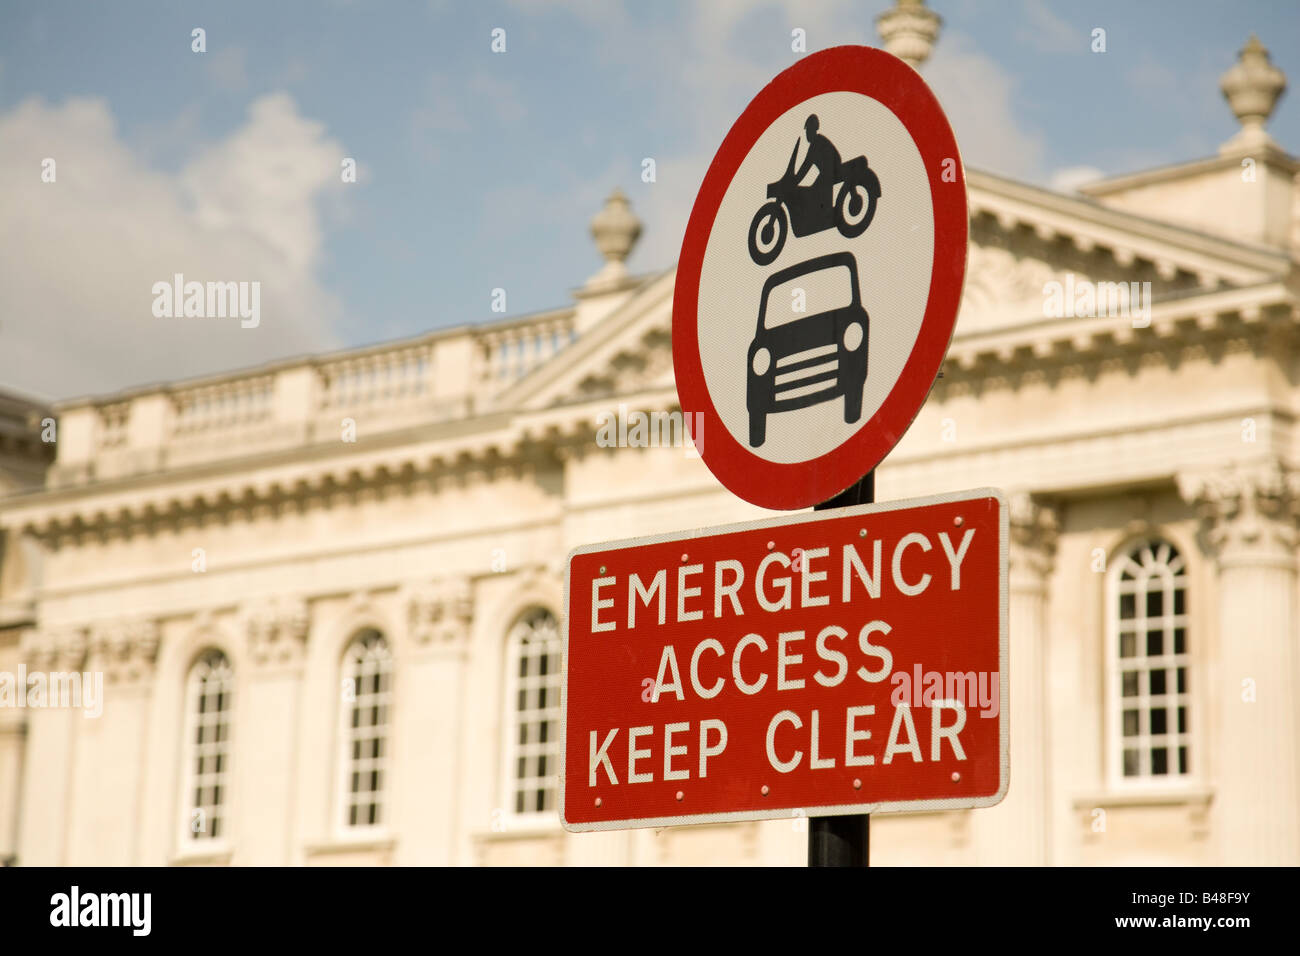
(323, 595)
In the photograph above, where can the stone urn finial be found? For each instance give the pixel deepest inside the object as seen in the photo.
(616, 230)
(909, 30)
(1252, 87)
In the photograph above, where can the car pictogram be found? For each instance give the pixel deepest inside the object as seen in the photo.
(803, 356)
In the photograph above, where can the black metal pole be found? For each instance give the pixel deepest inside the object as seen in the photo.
(844, 840)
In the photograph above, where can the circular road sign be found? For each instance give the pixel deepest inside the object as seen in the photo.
(820, 276)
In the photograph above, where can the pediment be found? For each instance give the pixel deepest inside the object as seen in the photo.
(1022, 239)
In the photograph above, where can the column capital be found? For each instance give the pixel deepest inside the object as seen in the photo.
(440, 612)
(1035, 525)
(277, 630)
(1247, 511)
(57, 649)
(125, 649)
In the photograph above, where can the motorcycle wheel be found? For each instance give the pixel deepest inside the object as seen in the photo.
(853, 212)
(767, 233)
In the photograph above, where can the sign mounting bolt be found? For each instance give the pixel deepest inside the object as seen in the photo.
(955, 776)
(857, 784)
(765, 791)
(958, 521)
(680, 795)
(599, 801)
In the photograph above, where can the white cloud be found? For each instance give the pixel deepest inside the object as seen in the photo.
(1042, 29)
(976, 95)
(1070, 178)
(721, 70)
(79, 257)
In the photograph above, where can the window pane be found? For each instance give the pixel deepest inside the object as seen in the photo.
(1147, 606)
(367, 668)
(1157, 682)
(1159, 760)
(1159, 720)
(1130, 762)
(533, 687)
(209, 699)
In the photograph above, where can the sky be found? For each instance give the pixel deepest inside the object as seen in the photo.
(480, 170)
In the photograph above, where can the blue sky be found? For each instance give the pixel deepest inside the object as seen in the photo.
(482, 170)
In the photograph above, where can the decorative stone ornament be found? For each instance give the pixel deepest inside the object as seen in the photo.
(909, 30)
(277, 630)
(1246, 510)
(440, 613)
(60, 649)
(1252, 88)
(616, 231)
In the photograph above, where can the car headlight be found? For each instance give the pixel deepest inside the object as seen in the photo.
(762, 361)
(853, 336)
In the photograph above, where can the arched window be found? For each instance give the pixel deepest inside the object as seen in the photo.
(1148, 681)
(532, 720)
(367, 683)
(208, 711)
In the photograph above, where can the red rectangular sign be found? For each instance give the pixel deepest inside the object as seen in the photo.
(852, 661)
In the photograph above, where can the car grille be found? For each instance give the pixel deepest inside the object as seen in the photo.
(806, 373)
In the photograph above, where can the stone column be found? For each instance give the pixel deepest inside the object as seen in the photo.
(1248, 515)
(431, 729)
(265, 742)
(50, 757)
(111, 746)
(1015, 832)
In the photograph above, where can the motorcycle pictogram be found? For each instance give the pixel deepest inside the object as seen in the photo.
(816, 206)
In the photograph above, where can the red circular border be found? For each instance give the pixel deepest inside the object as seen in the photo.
(883, 77)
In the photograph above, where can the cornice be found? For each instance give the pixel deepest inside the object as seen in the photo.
(1176, 324)
(531, 437)
(1129, 237)
(1269, 153)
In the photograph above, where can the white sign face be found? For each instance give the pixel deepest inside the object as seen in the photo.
(820, 277)
(892, 260)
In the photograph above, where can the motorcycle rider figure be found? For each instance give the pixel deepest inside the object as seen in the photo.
(816, 199)
(805, 210)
